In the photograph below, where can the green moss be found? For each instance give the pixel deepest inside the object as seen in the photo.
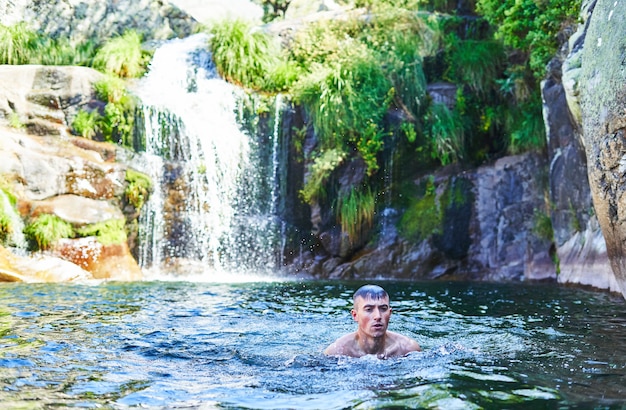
(423, 216)
(46, 229)
(542, 226)
(108, 232)
(138, 188)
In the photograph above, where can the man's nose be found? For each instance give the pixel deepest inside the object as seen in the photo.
(377, 314)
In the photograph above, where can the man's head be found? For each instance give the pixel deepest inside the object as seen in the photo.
(371, 310)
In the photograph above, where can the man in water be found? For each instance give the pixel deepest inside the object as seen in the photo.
(371, 311)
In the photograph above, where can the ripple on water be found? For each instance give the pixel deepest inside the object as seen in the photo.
(258, 345)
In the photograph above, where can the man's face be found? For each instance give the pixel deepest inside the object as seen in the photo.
(372, 315)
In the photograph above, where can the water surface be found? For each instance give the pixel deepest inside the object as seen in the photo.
(258, 345)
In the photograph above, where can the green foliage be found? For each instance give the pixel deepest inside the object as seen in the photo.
(85, 123)
(6, 225)
(117, 123)
(355, 212)
(321, 169)
(17, 44)
(526, 128)
(530, 26)
(107, 233)
(249, 57)
(446, 133)
(122, 56)
(273, 9)
(21, 45)
(138, 188)
(46, 229)
(542, 226)
(7, 200)
(423, 217)
(476, 63)
(15, 121)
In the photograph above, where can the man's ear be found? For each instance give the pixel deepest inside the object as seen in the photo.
(353, 313)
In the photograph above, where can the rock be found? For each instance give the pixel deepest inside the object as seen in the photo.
(77, 210)
(603, 98)
(45, 167)
(38, 268)
(111, 262)
(46, 98)
(99, 20)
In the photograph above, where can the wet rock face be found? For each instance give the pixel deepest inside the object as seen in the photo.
(603, 103)
(52, 172)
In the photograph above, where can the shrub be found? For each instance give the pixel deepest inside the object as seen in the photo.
(46, 229)
(530, 26)
(117, 123)
(85, 123)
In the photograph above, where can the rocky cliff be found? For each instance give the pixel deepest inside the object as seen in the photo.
(489, 235)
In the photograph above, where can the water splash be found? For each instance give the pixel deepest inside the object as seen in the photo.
(215, 201)
(16, 236)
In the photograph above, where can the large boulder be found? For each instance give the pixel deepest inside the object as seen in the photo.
(99, 20)
(578, 238)
(52, 172)
(603, 98)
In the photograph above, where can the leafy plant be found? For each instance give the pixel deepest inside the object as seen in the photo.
(118, 121)
(86, 123)
(46, 229)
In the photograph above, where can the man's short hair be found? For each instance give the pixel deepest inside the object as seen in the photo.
(370, 291)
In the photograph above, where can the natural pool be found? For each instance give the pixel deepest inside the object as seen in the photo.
(257, 345)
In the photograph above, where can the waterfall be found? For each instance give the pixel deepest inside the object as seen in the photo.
(215, 202)
(15, 237)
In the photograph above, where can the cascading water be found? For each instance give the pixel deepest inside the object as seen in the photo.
(216, 195)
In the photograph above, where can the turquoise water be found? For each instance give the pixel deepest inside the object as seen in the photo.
(258, 346)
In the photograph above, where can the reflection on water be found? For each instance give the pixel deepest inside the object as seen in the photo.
(258, 346)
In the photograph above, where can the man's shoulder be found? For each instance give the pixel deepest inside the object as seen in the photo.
(341, 346)
(404, 343)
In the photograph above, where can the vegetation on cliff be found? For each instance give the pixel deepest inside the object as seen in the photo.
(119, 58)
(363, 81)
